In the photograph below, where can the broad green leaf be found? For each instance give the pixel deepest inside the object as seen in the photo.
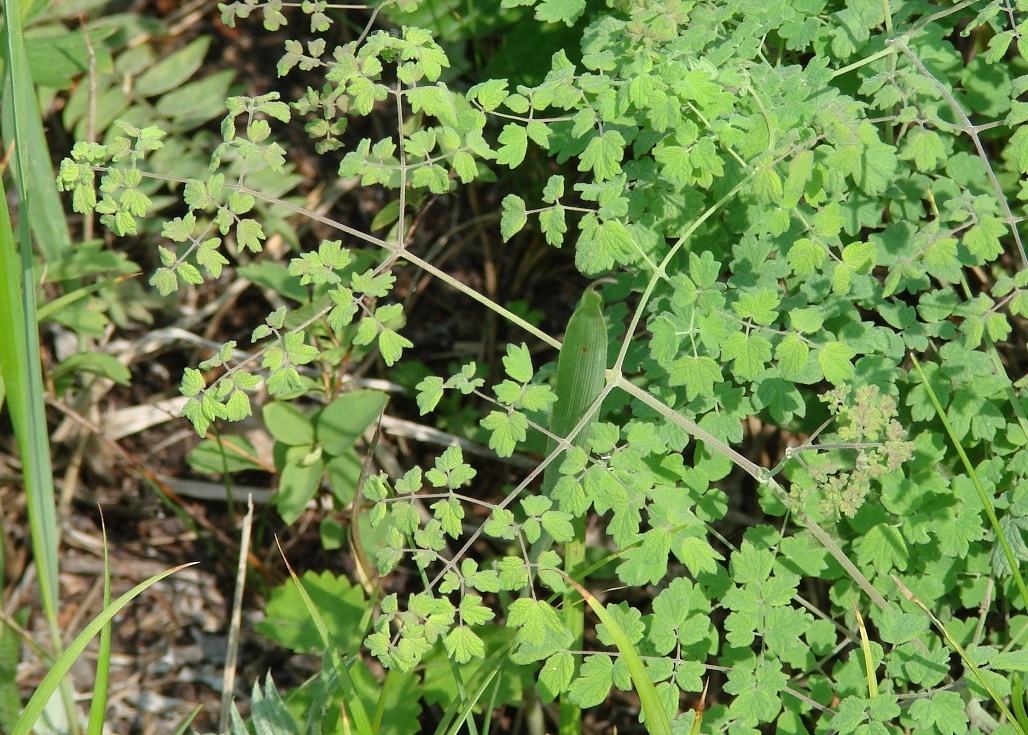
(462, 644)
(805, 257)
(601, 245)
(603, 155)
(859, 256)
(173, 70)
(556, 675)
(925, 148)
(341, 604)
(943, 712)
(297, 485)
(540, 630)
(288, 424)
(594, 681)
(518, 363)
(391, 345)
(490, 94)
(344, 420)
(760, 307)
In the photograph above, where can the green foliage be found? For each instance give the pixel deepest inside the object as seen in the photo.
(342, 606)
(308, 447)
(784, 201)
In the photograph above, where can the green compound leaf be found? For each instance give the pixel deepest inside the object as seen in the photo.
(807, 321)
(513, 146)
(556, 675)
(925, 148)
(594, 681)
(791, 354)
(451, 471)
(553, 11)
(771, 211)
(756, 687)
(518, 363)
(699, 375)
(759, 307)
(601, 245)
(553, 225)
(835, 361)
(514, 216)
(603, 155)
(462, 644)
(749, 354)
(655, 713)
(507, 431)
(540, 630)
(943, 712)
(490, 94)
(391, 345)
(982, 240)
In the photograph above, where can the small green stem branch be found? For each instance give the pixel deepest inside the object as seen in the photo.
(563, 444)
(968, 127)
(758, 473)
(913, 31)
(396, 249)
(414, 259)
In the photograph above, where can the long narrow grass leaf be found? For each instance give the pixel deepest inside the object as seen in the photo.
(19, 345)
(189, 720)
(63, 664)
(52, 307)
(971, 666)
(23, 124)
(460, 710)
(657, 720)
(865, 647)
(352, 707)
(98, 707)
(10, 701)
(990, 512)
(1017, 700)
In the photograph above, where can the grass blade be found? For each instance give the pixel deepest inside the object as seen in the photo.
(461, 709)
(19, 346)
(865, 647)
(1008, 552)
(353, 707)
(98, 707)
(1017, 700)
(10, 701)
(64, 663)
(52, 307)
(657, 720)
(23, 124)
